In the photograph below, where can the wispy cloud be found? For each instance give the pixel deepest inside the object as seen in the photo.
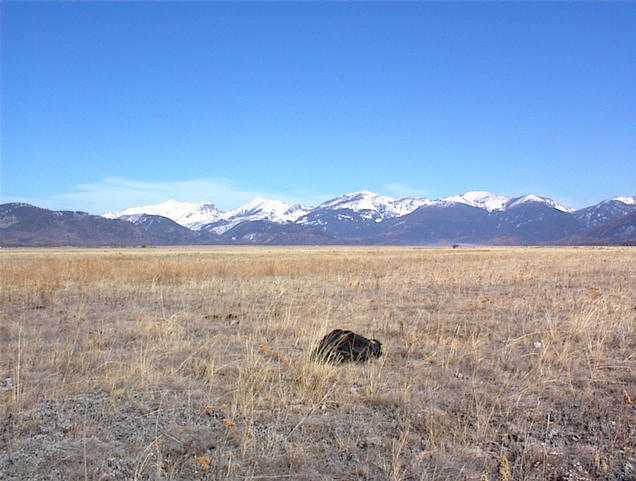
(401, 190)
(114, 193)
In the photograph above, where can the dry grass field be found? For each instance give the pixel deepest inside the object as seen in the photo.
(194, 363)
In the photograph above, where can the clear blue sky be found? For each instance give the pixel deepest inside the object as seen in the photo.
(108, 105)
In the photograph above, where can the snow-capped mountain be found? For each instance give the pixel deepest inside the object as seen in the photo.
(275, 211)
(373, 206)
(606, 211)
(204, 215)
(189, 214)
(492, 202)
(628, 200)
(475, 217)
(264, 209)
(362, 206)
(479, 198)
(532, 198)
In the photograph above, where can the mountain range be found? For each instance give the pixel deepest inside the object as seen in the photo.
(476, 217)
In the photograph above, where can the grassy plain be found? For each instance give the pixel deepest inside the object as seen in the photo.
(193, 363)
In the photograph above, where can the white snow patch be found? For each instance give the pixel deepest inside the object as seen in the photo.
(195, 215)
(536, 198)
(479, 198)
(265, 209)
(373, 205)
(131, 218)
(188, 214)
(626, 200)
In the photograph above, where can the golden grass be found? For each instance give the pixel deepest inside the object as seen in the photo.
(502, 363)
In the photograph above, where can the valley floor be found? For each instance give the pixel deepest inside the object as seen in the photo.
(194, 363)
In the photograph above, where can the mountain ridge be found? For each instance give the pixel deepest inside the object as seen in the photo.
(373, 206)
(363, 217)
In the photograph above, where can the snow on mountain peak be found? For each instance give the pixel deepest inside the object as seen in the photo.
(631, 200)
(366, 204)
(360, 200)
(535, 198)
(189, 214)
(258, 209)
(481, 199)
(272, 210)
(195, 215)
(374, 205)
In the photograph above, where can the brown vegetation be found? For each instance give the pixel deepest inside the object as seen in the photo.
(194, 363)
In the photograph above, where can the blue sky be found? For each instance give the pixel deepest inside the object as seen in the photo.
(108, 105)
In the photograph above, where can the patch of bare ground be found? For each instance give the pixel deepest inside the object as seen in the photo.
(194, 363)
